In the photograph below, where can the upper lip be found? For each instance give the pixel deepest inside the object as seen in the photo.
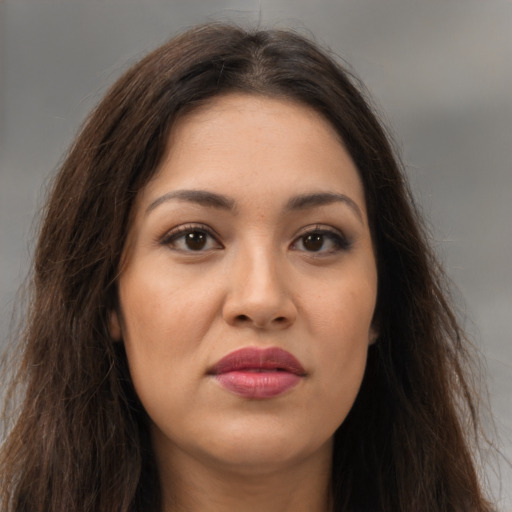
(253, 358)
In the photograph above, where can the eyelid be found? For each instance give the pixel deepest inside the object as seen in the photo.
(336, 235)
(181, 230)
(315, 228)
(342, 241)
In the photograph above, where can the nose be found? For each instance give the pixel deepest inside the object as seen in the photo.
(259, 295)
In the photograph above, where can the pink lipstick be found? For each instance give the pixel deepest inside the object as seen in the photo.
(258, 373)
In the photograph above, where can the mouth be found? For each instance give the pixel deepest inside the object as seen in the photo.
(258, 373)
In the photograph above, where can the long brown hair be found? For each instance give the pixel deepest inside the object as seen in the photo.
(80, 441)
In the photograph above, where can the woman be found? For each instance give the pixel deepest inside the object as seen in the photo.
(235, 306)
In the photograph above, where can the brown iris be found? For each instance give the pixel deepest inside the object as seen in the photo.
(195, 240)
(313, 242)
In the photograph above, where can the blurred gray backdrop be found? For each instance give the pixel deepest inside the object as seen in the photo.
(440, 72)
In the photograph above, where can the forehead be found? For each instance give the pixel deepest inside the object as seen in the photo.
(240, 144)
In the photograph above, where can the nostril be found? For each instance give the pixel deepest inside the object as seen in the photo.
(280, 320)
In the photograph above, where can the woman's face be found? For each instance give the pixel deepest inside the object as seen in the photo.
(248, 287)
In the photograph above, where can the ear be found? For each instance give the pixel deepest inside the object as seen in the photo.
(373, 335)
(114, 326)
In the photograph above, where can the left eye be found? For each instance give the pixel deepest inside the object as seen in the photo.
(191, 240)
(321, 242)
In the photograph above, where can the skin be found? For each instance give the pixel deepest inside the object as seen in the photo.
(257, 281)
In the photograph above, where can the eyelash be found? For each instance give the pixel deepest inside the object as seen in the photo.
(339, 240)
(181, 231)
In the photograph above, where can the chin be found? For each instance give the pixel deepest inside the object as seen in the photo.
(263, 450)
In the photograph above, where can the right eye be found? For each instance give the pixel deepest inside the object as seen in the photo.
(191, 239)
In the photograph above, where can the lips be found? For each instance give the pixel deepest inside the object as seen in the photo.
(258, 373)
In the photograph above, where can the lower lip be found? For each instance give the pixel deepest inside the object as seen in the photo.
(266, 384)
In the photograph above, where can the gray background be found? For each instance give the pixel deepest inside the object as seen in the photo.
(440, 72)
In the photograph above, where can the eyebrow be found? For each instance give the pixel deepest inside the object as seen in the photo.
(305, 201)
(201, 197)
(222, 202)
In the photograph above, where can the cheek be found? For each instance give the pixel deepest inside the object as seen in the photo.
(164, 323)
(342, 313)
(341, 321)
(164, 312)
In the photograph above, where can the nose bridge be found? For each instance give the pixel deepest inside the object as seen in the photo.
(257, 293)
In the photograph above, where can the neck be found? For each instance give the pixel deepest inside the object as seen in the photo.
(191, 485)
